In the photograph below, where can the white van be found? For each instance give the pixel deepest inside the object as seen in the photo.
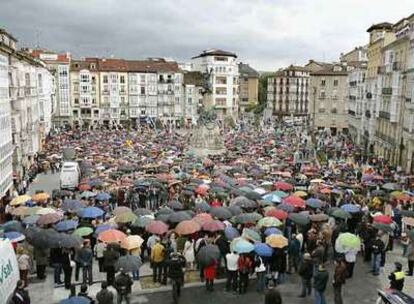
(69, 175)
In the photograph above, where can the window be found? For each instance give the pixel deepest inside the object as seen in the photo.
(122, 79)
(142, 78)
(105, 79)
(142, 91)
(220, 58)
(190, 100)
(76, 101)
(323, 82)
(336, 82)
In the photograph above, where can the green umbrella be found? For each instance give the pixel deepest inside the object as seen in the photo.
(269, 222)
(252, 235)
(340, 213)
(83, 231)
(142, 222)
(383, 227)
(347, 242)
(126, 217)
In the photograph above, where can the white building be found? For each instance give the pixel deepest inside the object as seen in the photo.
(224, 70)
(7, 45)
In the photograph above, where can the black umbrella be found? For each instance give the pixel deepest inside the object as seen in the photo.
(235, 210)
(163, 217)
(207, 254)
(383, 227)
(243, 202)
(299, 219)
(164, 210)
(175, 205)
(142, 211)
(143, 221)
(128, 263)
(222, 213)
(179, 216)
(43, 238)
(253, 195)
(68, 241)
(408, 213)
(245, 218)
(203, 207)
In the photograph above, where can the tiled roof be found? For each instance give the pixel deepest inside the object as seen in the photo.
(215, 52)
(122, 65)
(245, 69)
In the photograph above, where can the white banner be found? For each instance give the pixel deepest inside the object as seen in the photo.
(9, 271)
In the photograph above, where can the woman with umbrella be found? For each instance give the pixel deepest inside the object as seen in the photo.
(210, 273)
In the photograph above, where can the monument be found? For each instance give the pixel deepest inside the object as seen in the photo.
(206, 138)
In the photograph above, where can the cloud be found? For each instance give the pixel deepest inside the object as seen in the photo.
(269, 34)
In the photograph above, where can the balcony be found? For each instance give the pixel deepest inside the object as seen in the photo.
(384, 115)
(386, 138)
(386, 91)
(396, 66)
(352, 113)
(367, 114)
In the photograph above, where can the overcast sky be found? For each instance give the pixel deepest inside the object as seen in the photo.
(268, 34)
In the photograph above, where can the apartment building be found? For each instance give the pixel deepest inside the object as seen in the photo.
(288, 93)
(248, 87)
(193, 96)
(224, 78)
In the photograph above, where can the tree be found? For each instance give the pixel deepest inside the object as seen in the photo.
(262, 94)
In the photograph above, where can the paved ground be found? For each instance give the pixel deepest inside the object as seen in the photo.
(360, 289)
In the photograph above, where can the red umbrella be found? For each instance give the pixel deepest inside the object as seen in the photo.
(216, 204)
(187, 227)
(112, 236)
(157, 227)
(213, 226)
(283, 186)
(201, 218)
(277, 213)
(202, 189)
(383, 219)
(294, 201)
(49, 218)
(84, 187)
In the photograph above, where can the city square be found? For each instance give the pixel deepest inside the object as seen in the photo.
(242, 157)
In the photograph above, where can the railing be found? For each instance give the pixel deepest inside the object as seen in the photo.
(385, 115)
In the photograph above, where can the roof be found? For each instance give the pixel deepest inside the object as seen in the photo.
(87, 64)
(329, 73)
(37, 53)
(247, 70)
(380, 26)
(215, 52)
(3, 31)
(195, 78)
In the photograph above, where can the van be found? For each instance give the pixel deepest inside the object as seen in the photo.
(69, 175)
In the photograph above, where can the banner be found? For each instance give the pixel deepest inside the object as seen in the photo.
(9, 271)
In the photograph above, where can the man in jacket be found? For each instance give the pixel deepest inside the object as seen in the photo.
(84, 257)
(105, 296)
(294, 253)
(157, 259)
(111, 256)
(320, 281)
(123, 283)
(377, 247)
(41, 258)
(306, 273)
(340, 276)
(175, 265)
(397, 278)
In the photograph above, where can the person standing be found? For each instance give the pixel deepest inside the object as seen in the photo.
(157, 259)
(99, 251)
(67, 267)
(340, 276)
(188, 253)
(110, 258)
(260, 270)
(23, 261)
(273, 297)
(84, 257)
(232, 269)
(294, 254)
(377, 247)
(320, 281)
(105, 296)
(176, 264)
(123, 283)
(245, 267)
(350, 259)
(306, 273)
(41, 258)
(397, 278)
(210, 273)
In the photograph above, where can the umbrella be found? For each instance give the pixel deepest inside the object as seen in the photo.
(87, 194)
(283, 186)
(20, 200)
(295, 201)
(90, 212)
(142, 221)
(40, 197)
(263, 250)
(314, 203)
(102, 196)
(281, 194)
(12, 226)
(285, 207)
(31, 220)
(102, 228)
(272, 230)
(245, 218)
(240, 245)
(207, 254)
(83, 231)
(299, 219)
(351, 208)
(231, 233)
(383, 219)
(222, 213)
(132, 242)
(342, 214)
(269, 222)
(20, 211)
(347, 242)
(75, 300)
(252, 235)
(272, 197)
(14, 236)
(112, 236)
(66, 225)
(408, 221)
(252, 195)
(49, 218)
(235, 210)
(69, 204)
(157, 227)
(187, 227)
(128, 263)
(300, 193)
(203, 207)
(178, 217)
(68, 241)
(121, 209)
(276, 241)
(202, 218)
(175, 205)
(42, 211)
(276, 213)
(213, 226)
(243, 202)
(126, 217)
(383, 227)
(142, 211)
(320, 217)
(85, 188)
(164, 210)
(390, 186)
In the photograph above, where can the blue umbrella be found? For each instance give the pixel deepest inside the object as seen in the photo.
(95, 183)
(314, 203)
(231, 233)
(75, 300)
(263, 249)
(14, 236)
(66, 225)
(240, 245)
(272, 197)
(272, 230)
(286, 207)
(351, 208)
(70, 204)
(13, 226)
(102, 228)
(103, 196)
(90, 212)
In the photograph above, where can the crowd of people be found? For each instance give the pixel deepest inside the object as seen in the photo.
(279, 203)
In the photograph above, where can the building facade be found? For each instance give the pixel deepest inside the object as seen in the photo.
(248, 87)
(224, 78)
(288, 93)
